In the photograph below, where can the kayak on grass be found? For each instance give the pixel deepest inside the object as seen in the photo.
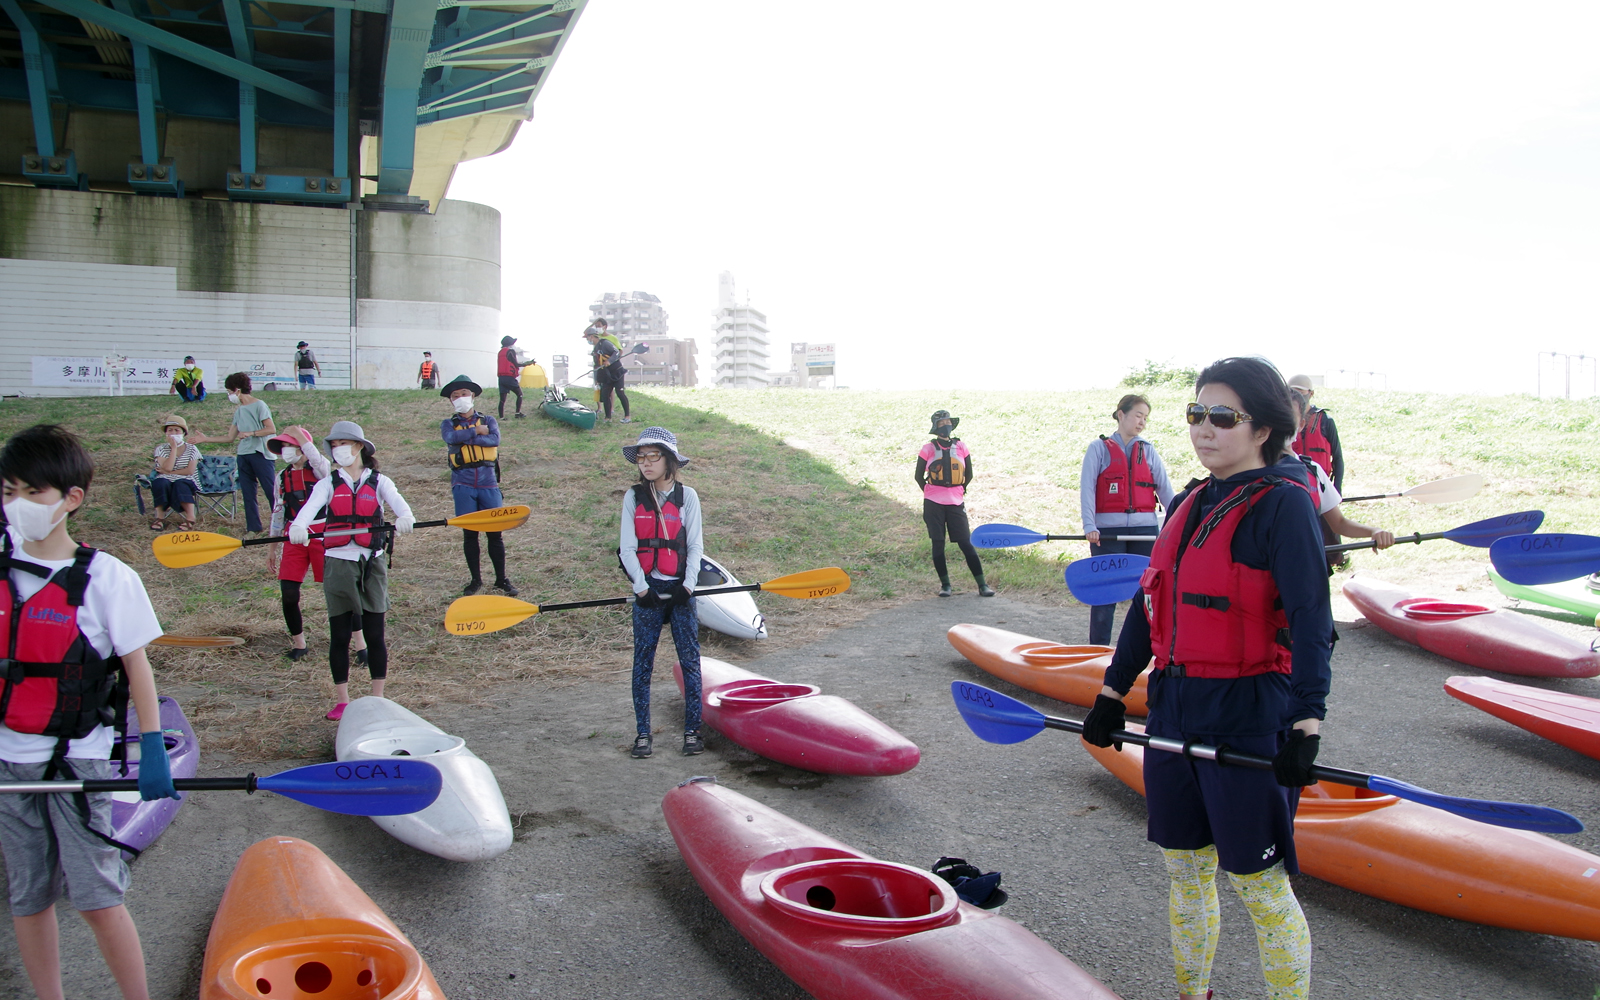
(559, 406)
(469, 820)
(846, 926)
(1568, 719)
(1580, 596)
(1477, 636)
(1073, 674)
(133, 821)
(1428, 859)
(292, 924)
(730, 614)
(795, 724)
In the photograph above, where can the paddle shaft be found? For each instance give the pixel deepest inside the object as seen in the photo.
(274, 539)
(244, 784)
(613, 601)
(1375, 496)
(1416, 538)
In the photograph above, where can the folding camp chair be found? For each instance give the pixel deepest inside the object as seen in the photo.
(219, 484)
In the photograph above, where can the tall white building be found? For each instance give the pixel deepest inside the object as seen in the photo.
(742, 343)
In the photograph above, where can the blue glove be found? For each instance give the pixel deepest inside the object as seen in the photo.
(155, 771)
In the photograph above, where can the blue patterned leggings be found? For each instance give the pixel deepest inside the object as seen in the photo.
(647, 624)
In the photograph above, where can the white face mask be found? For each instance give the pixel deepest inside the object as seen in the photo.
(33, 521)
(291, 455)
(462, 403)
(175, 438)
(344, 454)
(233, 397)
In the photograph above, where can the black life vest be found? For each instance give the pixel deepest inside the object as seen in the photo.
(357, 508)
(662, 545)
(295, 486)
(302, 359)
(944, 469)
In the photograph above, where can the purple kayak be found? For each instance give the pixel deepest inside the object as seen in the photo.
(138, 823)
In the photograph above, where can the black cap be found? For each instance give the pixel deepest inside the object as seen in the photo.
(302, 344)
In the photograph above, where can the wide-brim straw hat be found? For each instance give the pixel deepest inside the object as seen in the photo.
(658, 436)
(461, 382)
(348, 430)
(173, 420)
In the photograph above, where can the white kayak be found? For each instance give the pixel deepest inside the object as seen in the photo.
(469, 820)
(730, 614)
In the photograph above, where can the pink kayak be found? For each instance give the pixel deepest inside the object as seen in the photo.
(846, 926)
(1568, 719)
(1477, 636)
(794, 724)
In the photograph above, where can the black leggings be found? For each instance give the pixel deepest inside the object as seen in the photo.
(612, 383)
(497, 553)
(942, 517)
(291, 606)
(509, 384)
(343, 627)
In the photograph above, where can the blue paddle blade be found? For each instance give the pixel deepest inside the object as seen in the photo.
(994, 717)
(391, 787)
(1482, 534)
(1003, 536)
(1106, 579)
(1513, 815)
(1530, 560)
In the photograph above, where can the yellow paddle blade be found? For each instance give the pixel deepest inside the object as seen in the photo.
(181, 549)
(197, 641)
(481, 614)
(811, 583)
(498, 519)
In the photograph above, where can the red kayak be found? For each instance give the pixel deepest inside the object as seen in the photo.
(846, 926)
(1478, 636)
(793, 724)
(1568, 719)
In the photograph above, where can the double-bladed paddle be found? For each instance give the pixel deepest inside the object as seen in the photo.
(1478, 534)
(390, 787)
(485, 613)
(1530, 560)
(998, 718)
(1451, 490)
(181, 549)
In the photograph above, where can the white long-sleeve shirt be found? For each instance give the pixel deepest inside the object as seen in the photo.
(320, 467)
(691, 533)
(323, 492)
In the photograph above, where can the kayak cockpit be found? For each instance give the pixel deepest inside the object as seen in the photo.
(1054, 654)
(1327, 800)
(328, 967)
(408, 743)
(861, 894)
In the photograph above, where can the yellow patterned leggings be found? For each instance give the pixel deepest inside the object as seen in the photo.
(1281, 932)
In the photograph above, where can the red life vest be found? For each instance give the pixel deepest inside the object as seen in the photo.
(507, 367)
(945, 469)
(295, 486)
(1208, 614)
(355, 508)
(1125, 487)
(662, 547)
(1313, 484)
(54, 682)
(1313, 441)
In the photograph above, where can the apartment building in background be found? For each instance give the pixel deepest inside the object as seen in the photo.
(743, 344)
(639, 318)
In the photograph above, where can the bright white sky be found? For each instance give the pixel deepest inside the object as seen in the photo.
(1043, 195)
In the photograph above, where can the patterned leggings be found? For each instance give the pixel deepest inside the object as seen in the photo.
(647, 624)
(1282, 936)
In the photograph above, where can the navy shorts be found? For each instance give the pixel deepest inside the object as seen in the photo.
(474, 498)
(1244, 812)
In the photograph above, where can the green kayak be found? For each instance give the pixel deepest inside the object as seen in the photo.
(568, 411)
(1569, 595)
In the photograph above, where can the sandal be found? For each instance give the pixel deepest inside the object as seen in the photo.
(188, 524)
(158, 524)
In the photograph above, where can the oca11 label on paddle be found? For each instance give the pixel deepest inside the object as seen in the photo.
(823, 591)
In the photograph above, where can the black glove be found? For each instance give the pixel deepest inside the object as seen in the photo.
(1292, 765)
(1106, 717)
(680, 595)
(648, 599)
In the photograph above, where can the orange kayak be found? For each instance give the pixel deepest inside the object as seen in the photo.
(1073, 674)
(292, 926)
(1428, 859)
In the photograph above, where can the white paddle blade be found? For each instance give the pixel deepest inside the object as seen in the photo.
(1452, 490)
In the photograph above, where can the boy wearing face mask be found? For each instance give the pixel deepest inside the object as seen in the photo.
(252, 425)
(175, 482)
(83, 616)
(473, 440)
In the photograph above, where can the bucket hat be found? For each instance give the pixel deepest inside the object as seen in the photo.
(460, 382)
(348, 430)
(1302, 382)
(658, 436)
(939, 416)
(172, 419)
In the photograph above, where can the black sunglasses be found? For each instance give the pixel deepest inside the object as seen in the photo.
(1222, 417)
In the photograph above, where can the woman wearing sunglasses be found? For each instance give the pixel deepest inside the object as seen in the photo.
(1238, 619)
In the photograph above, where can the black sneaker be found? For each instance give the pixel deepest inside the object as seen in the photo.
(506, 587)
(361, 657)
(641, 746)
(519, 415)
(984, 590)
(473, 586)
(299, 654)
(692, 743)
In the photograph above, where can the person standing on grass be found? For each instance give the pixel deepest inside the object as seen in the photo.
(428, 372)
(175, 483)
(187, 383)
(1318, 440)
(944, 468)
(660, 541)
(305, 468)
(252, 425)
(507, 368)
(472, 441)
(609, 375)
(355, 580)
(1122, 480)
(1235, 609)
(305, 364)
(92, 611)
(1327, 499)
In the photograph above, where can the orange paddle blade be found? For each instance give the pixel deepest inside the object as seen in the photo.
(496, 519)
(182, 549)
(197, 641)
(481, 614)
(810, 584)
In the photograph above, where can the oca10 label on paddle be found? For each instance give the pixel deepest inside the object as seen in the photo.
(367, 772)
(1108, 563)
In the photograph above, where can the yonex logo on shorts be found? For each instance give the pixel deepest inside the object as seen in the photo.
(1270, 851)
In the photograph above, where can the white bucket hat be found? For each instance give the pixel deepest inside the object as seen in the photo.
(658, 436)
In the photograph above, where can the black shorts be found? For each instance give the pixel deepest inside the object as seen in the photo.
(942, 517)
(510, 383)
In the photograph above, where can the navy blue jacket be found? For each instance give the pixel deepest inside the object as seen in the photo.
(1281, 535)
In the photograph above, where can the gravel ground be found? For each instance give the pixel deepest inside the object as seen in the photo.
(593, 899)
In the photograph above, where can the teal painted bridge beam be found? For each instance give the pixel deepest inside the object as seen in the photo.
(138, 31)
(147, 84)
(410, 33)
(341, 94)
(40, 66)
(234, 11)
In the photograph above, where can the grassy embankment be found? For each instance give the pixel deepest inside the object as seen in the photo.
(790, 481)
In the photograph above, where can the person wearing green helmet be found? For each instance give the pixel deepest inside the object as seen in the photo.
(944, 468)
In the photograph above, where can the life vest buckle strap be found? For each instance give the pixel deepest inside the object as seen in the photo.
(1207, 601)
(1174, 670)
(1284, 638)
